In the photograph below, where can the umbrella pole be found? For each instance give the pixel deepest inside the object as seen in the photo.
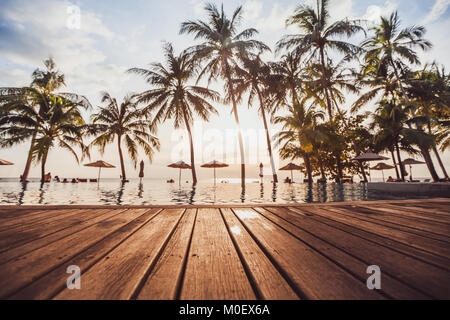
(214, 175)
(179, 178)
(370, 176)
(382, 172)
(292, 177)
(98, 178)
(410, 173)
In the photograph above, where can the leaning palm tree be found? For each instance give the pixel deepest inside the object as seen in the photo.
(429, 90)
(389, 120)
(126, 123)
(390, 46)
(222, 45)
(61, 124)
(37, 96)
(173, 98)
(254, 77)
(318, 36)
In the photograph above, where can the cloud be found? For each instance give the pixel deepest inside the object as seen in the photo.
(373, 13)
(33, 31)
(252, 10)
(439, 8)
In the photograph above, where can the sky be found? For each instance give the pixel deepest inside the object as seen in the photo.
(94, 43)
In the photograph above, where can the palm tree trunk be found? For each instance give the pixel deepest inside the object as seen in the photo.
(122, 164)
(269, 144)
(395, 164)
(339, 166)
(26, 171)
(400, 164)
(363, 172)
(236, 117)
(191, 143)
(425, 152)
(308, 167)
(438, 157)
(322, 60)
(43, 161)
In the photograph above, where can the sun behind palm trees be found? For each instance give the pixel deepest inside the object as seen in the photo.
(223, 44)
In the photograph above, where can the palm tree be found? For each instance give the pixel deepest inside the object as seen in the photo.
(299, 133)
(388, 47)
(173, 97)
(124, 122)
(223, 43)
(37, 96)
(60, 123)
(255, 76)
(429, 90)
(288, 75)
(319, 36)
(389, 119)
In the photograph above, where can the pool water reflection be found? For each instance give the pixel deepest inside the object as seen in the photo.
(156, 192)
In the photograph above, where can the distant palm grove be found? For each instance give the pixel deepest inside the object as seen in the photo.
(303, 92)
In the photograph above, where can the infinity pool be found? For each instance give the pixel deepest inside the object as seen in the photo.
(112, 192)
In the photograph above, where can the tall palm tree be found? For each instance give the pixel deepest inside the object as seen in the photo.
(126, 123)
(388, 47)
(220, 49)
(61, 124)
(318, 36)
(299, 133)
(37, 95)
(254, 77)
(173, 98)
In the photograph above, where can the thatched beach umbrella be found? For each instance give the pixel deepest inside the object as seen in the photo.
(382, 166)
(290, 167)
(179, 165)
(409, 162)
(214, 164)
(369, 156)
(5, 163)
(99, 164)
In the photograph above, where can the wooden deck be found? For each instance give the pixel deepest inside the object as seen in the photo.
(310, 251)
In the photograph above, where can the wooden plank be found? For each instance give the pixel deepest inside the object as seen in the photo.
(421, 240)
(32, 218)
(268, 281)
(403, 276)
(366, 232)
(120, 274)
(25, 269)
(54, 282)
(315, 276)
(214, 270)
(47, 237)
(424, 208)
(407, 212)
(23, 234)
(423, 227)
(165, 278)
